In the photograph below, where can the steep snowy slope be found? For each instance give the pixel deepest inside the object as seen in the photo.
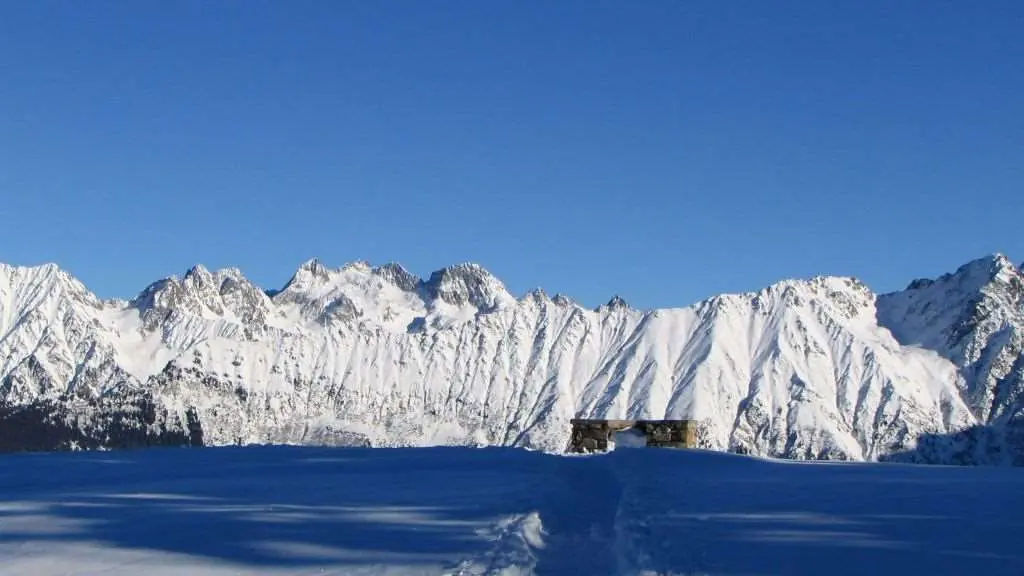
(974, 318)
(374, 355)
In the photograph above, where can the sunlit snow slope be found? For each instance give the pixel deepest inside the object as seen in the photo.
(819, 368)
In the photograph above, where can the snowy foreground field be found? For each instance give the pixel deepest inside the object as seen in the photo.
(286, 510)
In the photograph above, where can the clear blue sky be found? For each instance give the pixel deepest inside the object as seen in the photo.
(662, 150)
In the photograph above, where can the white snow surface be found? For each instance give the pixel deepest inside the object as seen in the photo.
(499, 511)
(804, 369)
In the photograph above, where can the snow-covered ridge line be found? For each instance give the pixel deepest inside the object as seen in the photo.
(314, 271)
(817, 368)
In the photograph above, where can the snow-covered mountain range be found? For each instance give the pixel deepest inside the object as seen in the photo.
(819, 368)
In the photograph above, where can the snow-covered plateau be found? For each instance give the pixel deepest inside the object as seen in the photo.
(374, 356)
(499, 511)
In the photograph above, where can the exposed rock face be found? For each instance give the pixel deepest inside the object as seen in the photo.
(467, 284)
(132, 420)
(819, 368)
(975, 319)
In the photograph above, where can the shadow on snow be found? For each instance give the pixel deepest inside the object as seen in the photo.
(628, 511)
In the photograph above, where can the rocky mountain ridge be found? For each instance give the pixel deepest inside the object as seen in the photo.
(818, 368)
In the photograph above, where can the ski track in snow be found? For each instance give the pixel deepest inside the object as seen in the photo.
(499, 511)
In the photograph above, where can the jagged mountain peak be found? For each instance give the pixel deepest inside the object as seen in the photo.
(467, 283)
(313, 274)
(203, 275)
(463, 270)
(313, 265)
(353, 295)
(309, 275)
(972, 282)
(975, 318)
(44, 268)
(536, 295)
(1001, 259)
(616, 303)
(140, 300)
(359, 265)
(197, 271)
(222, 295)
(560, 299)
(396, 274)
(169, 295)
(823, 284)
(30, 286)
(972, 275)
(992, 267)
(843, 295)
(309, 271)
(48, 274)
